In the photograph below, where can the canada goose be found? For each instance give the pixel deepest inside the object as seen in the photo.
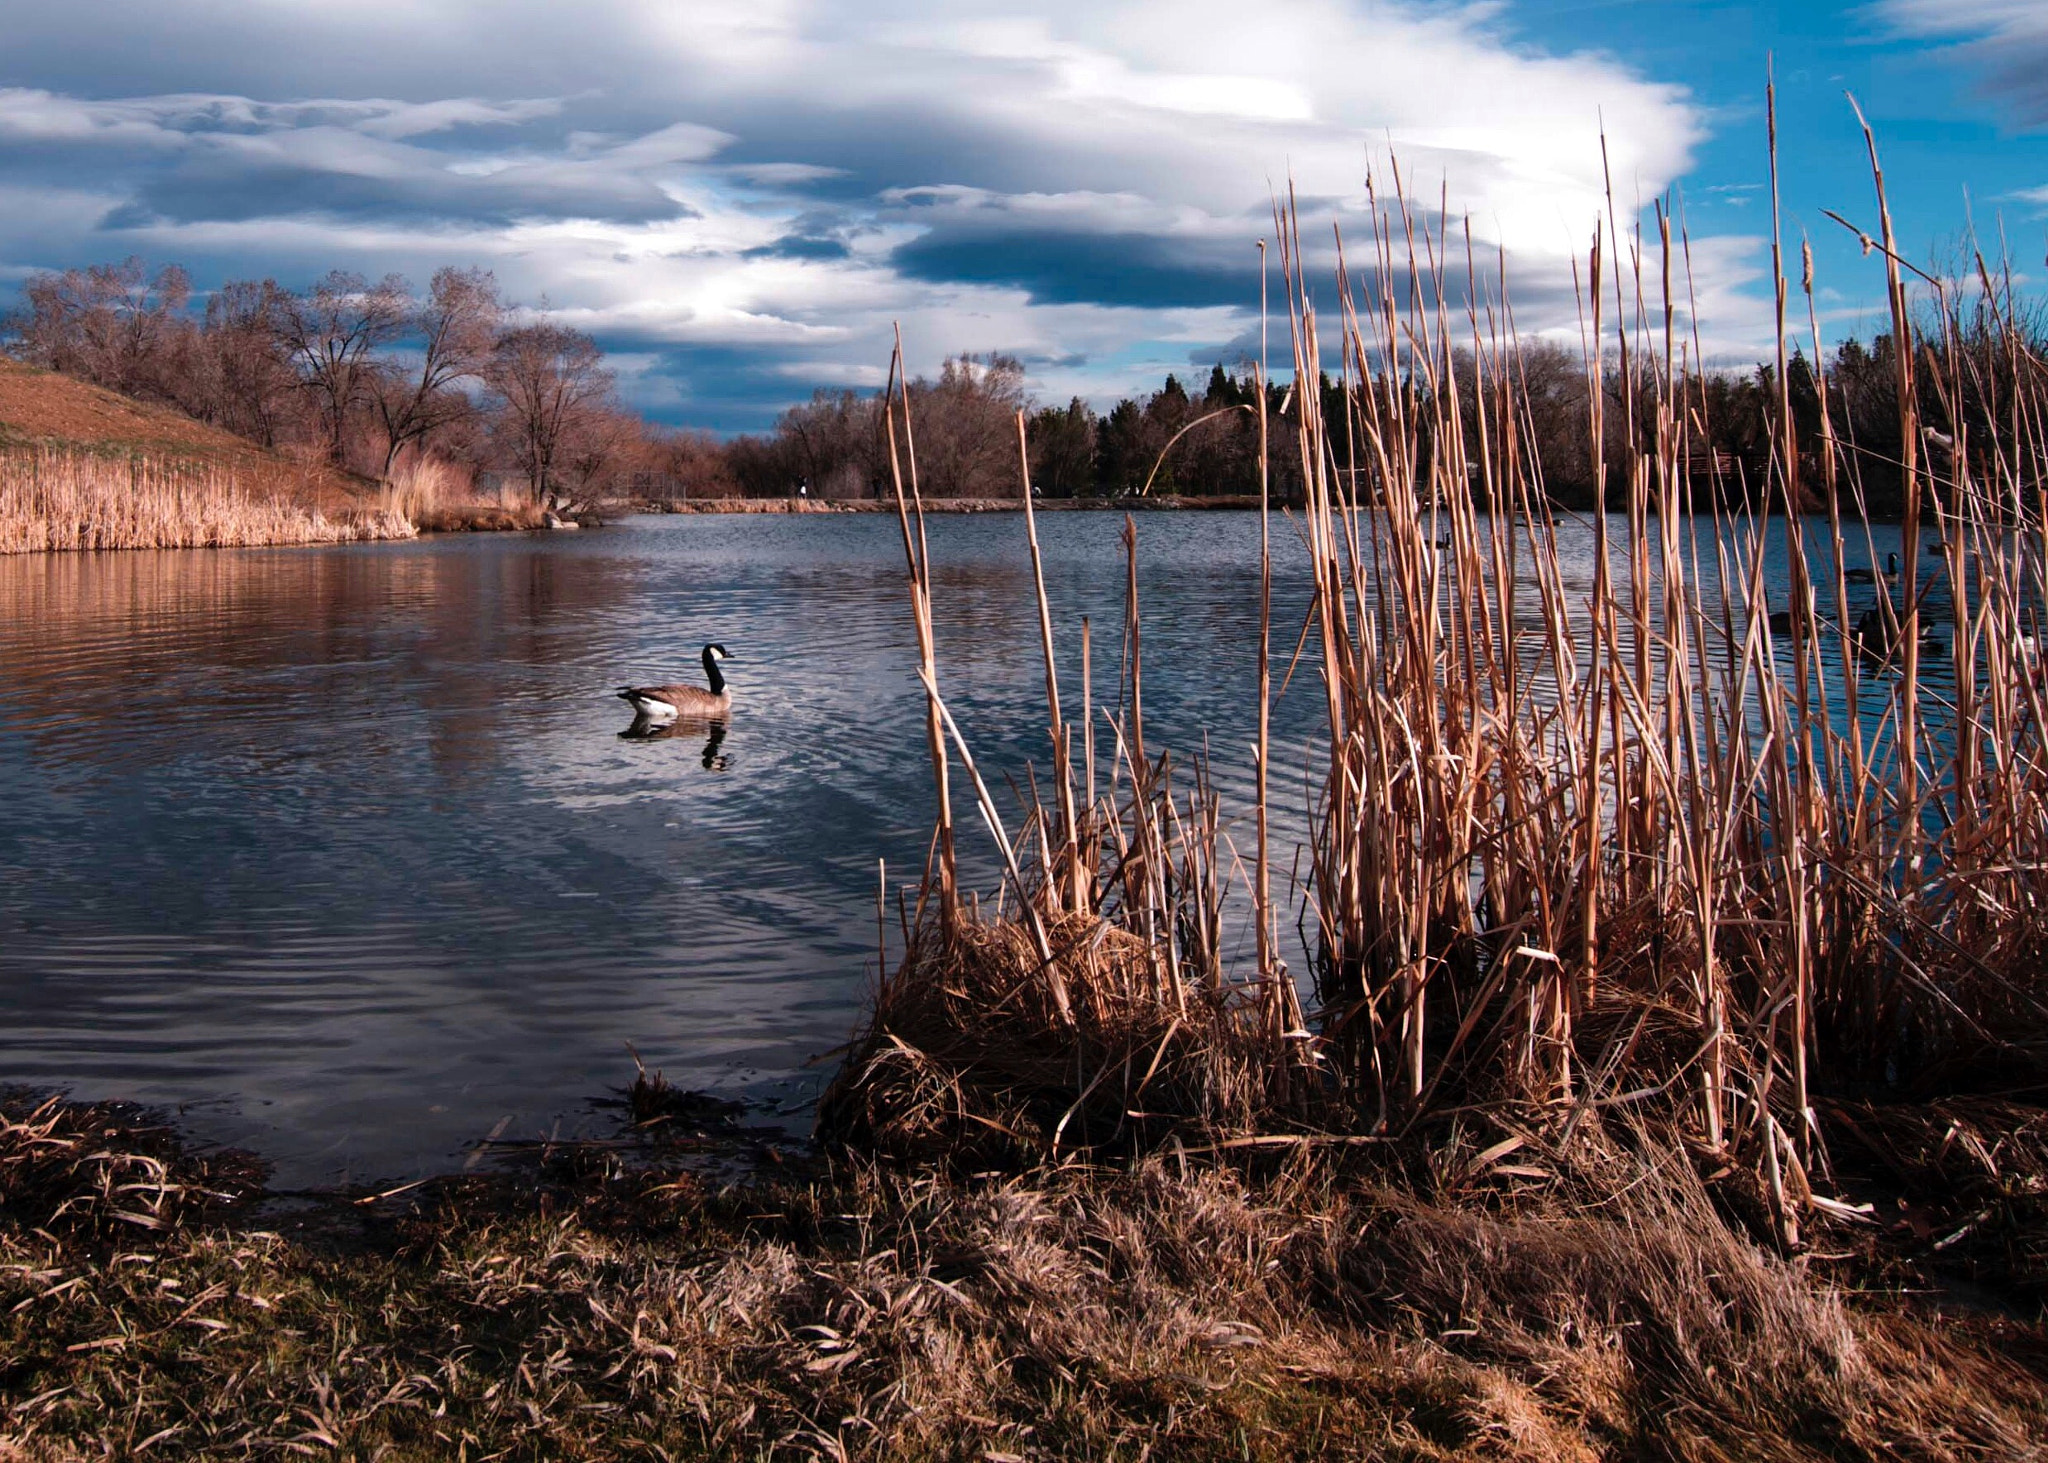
(1877, 630)
(1869, 576)
(666, 703)
(1780, 621)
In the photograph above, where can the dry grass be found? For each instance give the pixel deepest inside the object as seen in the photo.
(83, 468)
(55, 498)
(973, 1070)
(1654, 884)
(1297, 1309)
(46, 408)
(1618, 910)
(438, 497)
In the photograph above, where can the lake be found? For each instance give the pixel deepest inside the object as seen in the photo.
(339, 852)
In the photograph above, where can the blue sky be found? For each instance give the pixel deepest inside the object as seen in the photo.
(1956, 90)
(740, 196)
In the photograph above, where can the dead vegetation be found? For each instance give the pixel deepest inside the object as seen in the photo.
(1584, 834)
(438, 496)
(84, 468)
(76, 499)
(1296, 1306)
(1599, 852)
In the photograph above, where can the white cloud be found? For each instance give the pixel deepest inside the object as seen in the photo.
(2007, 40)
(1081, 182)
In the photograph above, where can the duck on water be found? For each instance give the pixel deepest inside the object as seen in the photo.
(1869, 576)
(666, 703)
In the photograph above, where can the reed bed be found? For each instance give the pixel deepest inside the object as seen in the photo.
(1648, 848)
(54, 498)
(1647, 933)
(437, 496)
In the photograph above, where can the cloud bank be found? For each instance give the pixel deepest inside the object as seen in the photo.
(740, 198)
(2006, 40)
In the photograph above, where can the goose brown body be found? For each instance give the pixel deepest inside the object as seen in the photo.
(665, 702)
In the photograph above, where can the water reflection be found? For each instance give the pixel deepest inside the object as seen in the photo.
(369, 868)
(648, 729)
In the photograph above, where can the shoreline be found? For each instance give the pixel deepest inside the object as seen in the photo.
(369, 524)
(684, 1291)
(1165, 503)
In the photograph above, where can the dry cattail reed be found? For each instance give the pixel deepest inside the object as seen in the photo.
(1621, 843)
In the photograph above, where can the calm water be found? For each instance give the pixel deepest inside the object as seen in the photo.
(340, 850)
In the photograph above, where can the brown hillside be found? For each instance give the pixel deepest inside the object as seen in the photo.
(42, 408)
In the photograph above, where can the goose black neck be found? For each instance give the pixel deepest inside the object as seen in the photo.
(712, 674)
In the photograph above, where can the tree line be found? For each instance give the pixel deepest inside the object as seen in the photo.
(1175, 441)
(370, 373)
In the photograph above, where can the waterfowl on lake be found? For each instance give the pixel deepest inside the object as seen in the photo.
(1869, 576)
(1780, 621)
(665, 703)
(1877, 629)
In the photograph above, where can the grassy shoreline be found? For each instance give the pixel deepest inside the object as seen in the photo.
(631, 1300)
(69, 500)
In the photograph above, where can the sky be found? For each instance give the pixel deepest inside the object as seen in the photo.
(740, 198)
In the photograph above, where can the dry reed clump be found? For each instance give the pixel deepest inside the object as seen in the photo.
(1658, 881)
(1961, 1181)
(436, 496)
(67, 499)
(91, 1172)
(592, 1312)
(1595, 824)
(969, 1062)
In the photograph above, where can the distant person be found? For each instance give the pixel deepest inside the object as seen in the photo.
(803, 488)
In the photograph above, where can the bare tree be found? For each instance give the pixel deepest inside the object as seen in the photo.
(966, 427)
(834, 443)
(246, 381)
(332, 333)
(115, 325)
(457, 326)
(551, 380)
(695, 461)
(600, 444)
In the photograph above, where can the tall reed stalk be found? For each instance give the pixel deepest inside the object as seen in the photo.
(1632, 839)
